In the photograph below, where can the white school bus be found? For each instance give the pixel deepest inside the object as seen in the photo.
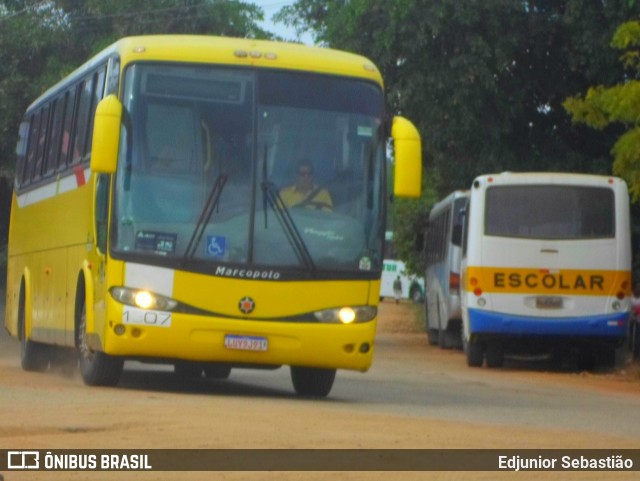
(546, 266)
(148, 222)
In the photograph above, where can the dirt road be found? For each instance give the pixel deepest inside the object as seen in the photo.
(415, 396)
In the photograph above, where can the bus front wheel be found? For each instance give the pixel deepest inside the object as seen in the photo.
(313, 382)
(34, 356)
(96, 368)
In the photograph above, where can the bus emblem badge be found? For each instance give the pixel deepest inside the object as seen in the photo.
(246, 305)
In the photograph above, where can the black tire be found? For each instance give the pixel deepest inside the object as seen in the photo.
(34, 356)
(96, 367)
(187, 369)
(606, 357)
(475, 352)
(587, 360)
(312, 382)
(217, 371)
(432, 334)
(433, 337)
(494, 354)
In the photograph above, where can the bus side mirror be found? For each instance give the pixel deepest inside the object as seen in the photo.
(408, 158)
(106, 135)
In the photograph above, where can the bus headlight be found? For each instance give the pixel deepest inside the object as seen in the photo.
(346, 315)
(143, 299)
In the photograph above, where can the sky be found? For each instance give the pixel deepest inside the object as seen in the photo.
(270, 8)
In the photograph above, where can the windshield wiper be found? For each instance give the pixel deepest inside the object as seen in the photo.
(205, 216)
(288, 225)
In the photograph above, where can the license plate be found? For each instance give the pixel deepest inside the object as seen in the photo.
(245, 343)
(549, 302)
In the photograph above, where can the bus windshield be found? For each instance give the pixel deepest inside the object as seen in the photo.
(550, 212)
(210, 165)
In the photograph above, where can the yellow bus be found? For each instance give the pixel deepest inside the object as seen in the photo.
(148, 220)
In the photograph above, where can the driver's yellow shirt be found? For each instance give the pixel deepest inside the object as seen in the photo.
(293, 197)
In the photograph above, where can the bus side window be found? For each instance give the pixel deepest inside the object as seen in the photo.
(82, 121)
(53, 150)
(42, 144)
(98, 90)
(21, 151)
(65, 146)
(102, 211)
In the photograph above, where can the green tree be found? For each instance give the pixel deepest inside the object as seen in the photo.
(603, 106)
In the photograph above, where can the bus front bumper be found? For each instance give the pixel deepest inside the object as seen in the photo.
(241, 341)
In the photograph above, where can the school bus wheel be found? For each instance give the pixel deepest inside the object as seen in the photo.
(96, 368)
(33, 355)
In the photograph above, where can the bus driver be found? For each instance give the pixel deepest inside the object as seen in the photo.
(303, 193)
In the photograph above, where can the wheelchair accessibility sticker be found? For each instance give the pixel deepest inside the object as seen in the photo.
(216, 246)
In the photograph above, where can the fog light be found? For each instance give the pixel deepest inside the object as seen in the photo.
(348, 348)
(119, 329)
(365, 347)
(135, 332)
(482, 302)
(616, 305)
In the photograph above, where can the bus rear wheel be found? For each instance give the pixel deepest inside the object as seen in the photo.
(494, 354)
(96, 368)
(312, 382)
(34, 356)
(474, 351)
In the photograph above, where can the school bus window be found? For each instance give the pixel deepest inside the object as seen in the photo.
(31, 148)
(53, 150)
(97, 96)
(70, 98)
(82, 121)
(113, 77)
(102, 211)
(42, 144)
(21, 151)
(34, 137)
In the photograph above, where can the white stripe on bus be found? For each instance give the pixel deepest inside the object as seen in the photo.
(51, 189)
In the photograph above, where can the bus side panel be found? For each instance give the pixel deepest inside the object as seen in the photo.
(50, 234)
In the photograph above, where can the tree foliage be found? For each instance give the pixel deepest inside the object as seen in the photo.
(603, 106)
(483, 81)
